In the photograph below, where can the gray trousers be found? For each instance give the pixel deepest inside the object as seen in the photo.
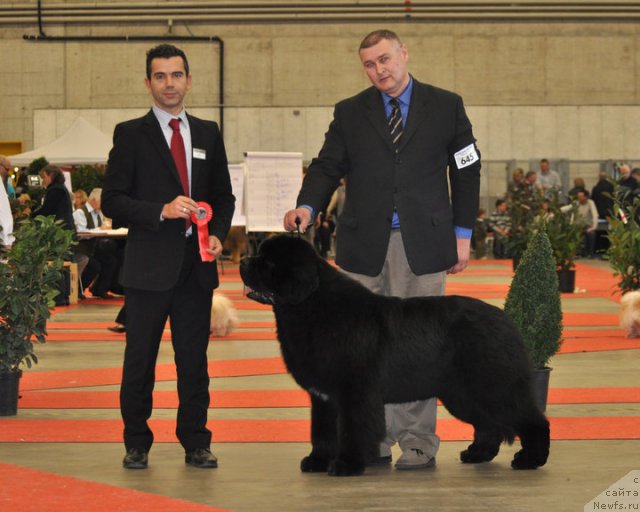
(411, 424)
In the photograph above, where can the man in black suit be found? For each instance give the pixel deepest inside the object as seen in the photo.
(400, 231)
(153, 190)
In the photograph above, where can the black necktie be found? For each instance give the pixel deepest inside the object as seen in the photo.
(395, 121)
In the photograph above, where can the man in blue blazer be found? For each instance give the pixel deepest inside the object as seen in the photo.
(163, 274)
(412, 173)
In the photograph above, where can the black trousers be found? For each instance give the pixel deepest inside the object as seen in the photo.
(188, 306)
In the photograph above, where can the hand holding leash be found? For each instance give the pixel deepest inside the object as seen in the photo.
(297, 219)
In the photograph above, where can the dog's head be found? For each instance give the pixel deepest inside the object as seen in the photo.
(285, 270)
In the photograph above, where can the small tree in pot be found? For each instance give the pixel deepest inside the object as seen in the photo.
(29, 281)
(533, 303)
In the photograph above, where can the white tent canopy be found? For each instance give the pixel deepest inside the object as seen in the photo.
(82, 143)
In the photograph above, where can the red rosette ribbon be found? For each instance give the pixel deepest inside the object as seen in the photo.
(201, 218)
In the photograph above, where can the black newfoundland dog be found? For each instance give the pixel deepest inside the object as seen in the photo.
(354, 351)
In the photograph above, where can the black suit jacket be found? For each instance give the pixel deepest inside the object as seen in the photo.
(141, 177)
(414, 180)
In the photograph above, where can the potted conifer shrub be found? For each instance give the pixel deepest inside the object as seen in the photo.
(523, 209)
(533, 303)
(29, 279)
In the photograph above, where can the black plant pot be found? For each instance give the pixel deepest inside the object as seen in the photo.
(567, 280)
(541, 386)
(9, 388)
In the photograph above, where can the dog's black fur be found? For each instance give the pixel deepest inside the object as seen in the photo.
(354, 351)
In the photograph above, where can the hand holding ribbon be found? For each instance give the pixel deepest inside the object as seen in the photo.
(210, 246)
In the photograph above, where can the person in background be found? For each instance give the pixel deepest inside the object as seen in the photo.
(529, 184)
(549, 181)
(160, 167)
(5, 166)
(479, 238)
(517, 181)
(121, 322)
(500, 225)
(80, 198)
(57, 203)
(578, 185)
(588, 216)
(626, 179)
(545, 213)
(88, 266)
(400, 231)
(105, 251)
(56, 200)
(602, 195)
(6, 220)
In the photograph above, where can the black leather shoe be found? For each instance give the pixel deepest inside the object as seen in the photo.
(117, 328)
(136, 458)
(201, 458)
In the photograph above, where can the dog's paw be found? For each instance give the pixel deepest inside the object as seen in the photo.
(313, 464)
(339, 467)
(524, 460)
(474, 456)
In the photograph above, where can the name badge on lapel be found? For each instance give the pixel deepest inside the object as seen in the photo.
(200, 154)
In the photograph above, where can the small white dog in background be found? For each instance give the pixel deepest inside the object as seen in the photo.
(630, 314)
(224, 318)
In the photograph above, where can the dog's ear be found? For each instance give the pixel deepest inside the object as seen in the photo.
(301, 282)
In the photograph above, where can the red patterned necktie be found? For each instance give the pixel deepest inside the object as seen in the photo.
(180, 158)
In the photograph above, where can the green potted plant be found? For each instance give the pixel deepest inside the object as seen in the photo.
(533, 303)
(624, 242)
(29, 280)
(565, 231)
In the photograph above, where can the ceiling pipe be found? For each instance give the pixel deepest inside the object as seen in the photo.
(319, 11)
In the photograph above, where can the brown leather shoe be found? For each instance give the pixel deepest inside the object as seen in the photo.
(201, 458)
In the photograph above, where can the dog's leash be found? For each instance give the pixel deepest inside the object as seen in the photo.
(296, 232)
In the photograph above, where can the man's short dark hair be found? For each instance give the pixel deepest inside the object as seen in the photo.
(376, 36)
(500, 201)
(166, 51)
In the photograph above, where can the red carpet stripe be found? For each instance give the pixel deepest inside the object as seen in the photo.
(107, 376)
(589, 319)
(71, 326)
(279, 398)
(594, 395)
(163, 399)
(285, 431)
(30, 490)
(69, 336)
(572, 346)
(593, 333)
